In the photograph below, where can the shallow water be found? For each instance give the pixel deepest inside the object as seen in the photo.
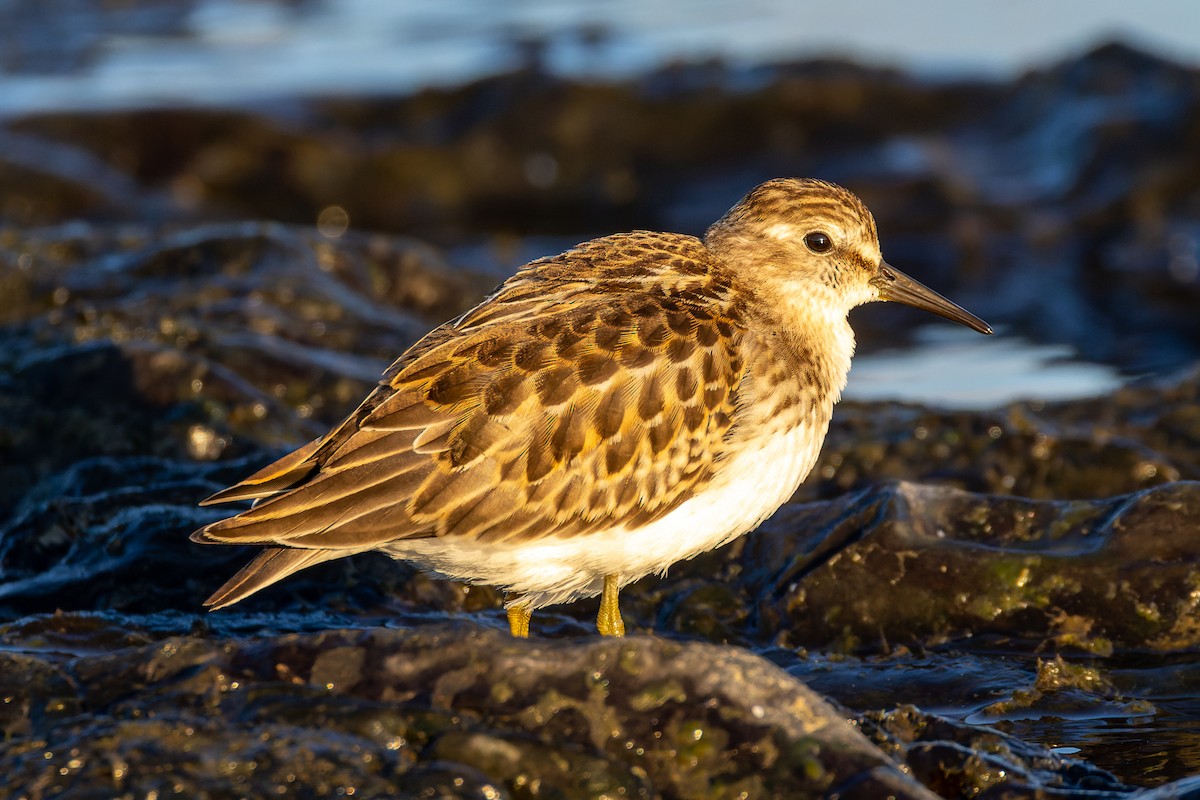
(954, 368)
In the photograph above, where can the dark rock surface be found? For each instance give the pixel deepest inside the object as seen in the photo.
(383, 709)
(1116, 574)
(1001, 603)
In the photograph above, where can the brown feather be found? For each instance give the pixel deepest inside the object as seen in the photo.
(270, 566)
(272, 479)
(593, 391)
(445, 396)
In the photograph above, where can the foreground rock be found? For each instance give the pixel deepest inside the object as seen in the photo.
(1100, 576)
(454, 712)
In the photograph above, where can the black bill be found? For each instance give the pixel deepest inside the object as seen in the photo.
(894, 285)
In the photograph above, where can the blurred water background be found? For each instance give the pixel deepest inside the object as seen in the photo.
(79, 54)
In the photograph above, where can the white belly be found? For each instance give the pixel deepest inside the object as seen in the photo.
(748, 489)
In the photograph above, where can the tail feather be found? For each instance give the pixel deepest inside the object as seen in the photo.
(271, 565)
(271, 479)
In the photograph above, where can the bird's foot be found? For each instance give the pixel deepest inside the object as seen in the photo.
(609, 621)
(518, 620)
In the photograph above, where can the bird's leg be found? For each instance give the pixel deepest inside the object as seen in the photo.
(518, 619)
(609, 621)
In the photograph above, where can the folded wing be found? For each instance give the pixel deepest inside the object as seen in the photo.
(556, 408)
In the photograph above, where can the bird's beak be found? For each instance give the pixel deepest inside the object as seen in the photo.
(894, 285)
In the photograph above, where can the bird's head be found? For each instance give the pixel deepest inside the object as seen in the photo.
(815, 244)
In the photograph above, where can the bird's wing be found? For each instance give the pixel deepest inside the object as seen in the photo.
(555, 409)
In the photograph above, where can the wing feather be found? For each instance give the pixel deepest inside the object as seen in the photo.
(558, 407)
(270, 566)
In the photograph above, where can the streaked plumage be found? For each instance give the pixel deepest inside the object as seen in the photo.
(637, 400)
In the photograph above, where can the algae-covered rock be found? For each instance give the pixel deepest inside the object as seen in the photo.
(958, 760)
(391, 713)
(1097, 575)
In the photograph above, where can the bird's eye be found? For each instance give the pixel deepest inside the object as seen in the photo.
(818, 242)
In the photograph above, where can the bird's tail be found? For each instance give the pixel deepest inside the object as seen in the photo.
(271, 565)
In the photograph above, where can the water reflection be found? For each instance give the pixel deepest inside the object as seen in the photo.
(944, 367)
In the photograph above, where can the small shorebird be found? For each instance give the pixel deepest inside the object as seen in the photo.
(637, 400)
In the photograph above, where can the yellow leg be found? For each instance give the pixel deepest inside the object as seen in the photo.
(518, 620)
(609, 621)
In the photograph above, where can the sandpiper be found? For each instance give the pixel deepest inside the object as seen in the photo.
(637, 400)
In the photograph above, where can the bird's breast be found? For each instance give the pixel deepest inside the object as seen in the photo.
(752, 481)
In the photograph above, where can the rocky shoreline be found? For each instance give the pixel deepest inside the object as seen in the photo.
(1002, 603)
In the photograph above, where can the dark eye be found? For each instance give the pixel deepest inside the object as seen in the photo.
(818, 242)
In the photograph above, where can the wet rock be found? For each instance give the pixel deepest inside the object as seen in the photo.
(236, 335)
(97, 535)
(957, 760)
(890, 568)
(457, 710)
(1095, 575)
(110, 534)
